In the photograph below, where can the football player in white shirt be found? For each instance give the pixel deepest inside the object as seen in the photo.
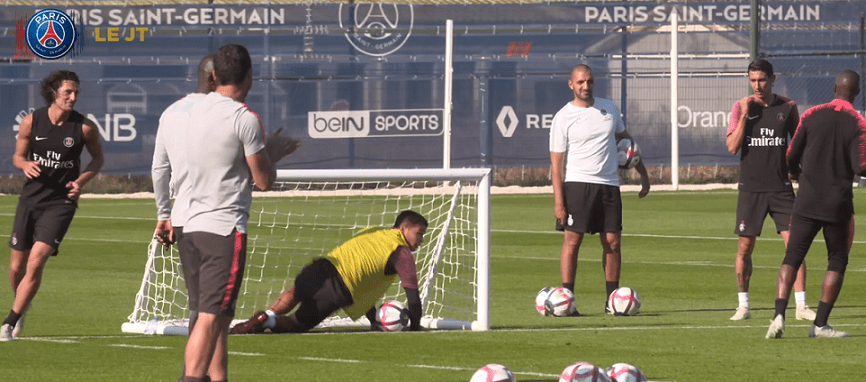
(584, 165)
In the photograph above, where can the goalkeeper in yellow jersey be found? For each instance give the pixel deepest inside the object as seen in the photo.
(352, 277)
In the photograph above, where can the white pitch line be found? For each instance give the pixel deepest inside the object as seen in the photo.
(338, 360)
(457, 368)
(691, 327)
(107, 240)
(76, 339)
(732, 238)
(130, 346)
(247, 354)
(453, 368)
(417, 366)
(45, 339)
(101, 217)
(548, 232)
(671, 263)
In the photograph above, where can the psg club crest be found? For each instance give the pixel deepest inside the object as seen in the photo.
(780, 116)
(50, 34)
(68, 141)
(377, 29)
(605, 115)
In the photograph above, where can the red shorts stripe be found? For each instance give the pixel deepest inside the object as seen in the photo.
(233, 281)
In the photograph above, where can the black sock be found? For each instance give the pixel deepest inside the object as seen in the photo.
(781, 305)
(12, 318)
(569, 286)
(823, 313)
(611, 286)
(193, 379)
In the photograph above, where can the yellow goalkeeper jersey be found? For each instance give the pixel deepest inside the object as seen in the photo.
(361, 263)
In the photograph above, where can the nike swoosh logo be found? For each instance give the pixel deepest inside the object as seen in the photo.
(41, 138)
(753, 117)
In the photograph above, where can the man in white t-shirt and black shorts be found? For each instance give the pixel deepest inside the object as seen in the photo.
(584, 165)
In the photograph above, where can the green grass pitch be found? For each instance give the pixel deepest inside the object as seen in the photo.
(678, 252)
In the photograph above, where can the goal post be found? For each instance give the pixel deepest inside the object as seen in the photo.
(310, 212)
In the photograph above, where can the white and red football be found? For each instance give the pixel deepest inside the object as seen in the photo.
(540, 298)
(624, 302)
(583, 372)
(628, 152)
(560, 302)
(623, 372)
(393, 316)
(493, 373)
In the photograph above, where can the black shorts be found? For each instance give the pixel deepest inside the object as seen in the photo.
(753, 207)
(190, 273)
(803, 232)
(213, 267)
(46, 224)
(592, 208)
(321, 292)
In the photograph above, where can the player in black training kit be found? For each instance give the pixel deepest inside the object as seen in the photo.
(759, 129)
(48, 151)
(827, 150)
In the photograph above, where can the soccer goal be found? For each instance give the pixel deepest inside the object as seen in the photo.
(310, 212)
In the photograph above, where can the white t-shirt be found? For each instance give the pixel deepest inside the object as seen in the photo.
(587, 136)
(221, 134)
(169, 163)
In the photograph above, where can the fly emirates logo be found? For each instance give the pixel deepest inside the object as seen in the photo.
(767, 139)
(53, 160)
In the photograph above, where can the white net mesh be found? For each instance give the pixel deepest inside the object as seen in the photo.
(302, 221)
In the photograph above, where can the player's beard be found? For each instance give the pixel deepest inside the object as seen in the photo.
(585, 96)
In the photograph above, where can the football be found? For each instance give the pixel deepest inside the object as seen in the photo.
(560, 302)
(629, 153)
(583, 372)
(393, 316)
(623, 372)
(624, 302)
(571, 369)
(493, 373)
(540, 298)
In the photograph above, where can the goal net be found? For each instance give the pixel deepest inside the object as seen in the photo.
(310, 212)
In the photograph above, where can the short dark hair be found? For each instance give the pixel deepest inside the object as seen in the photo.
(761, 65)
(231, 64)
(582, 68)
(410, 217)
(50, 84)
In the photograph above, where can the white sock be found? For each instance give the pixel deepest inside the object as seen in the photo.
(800, 297)
(743, 297)
(272, 319)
